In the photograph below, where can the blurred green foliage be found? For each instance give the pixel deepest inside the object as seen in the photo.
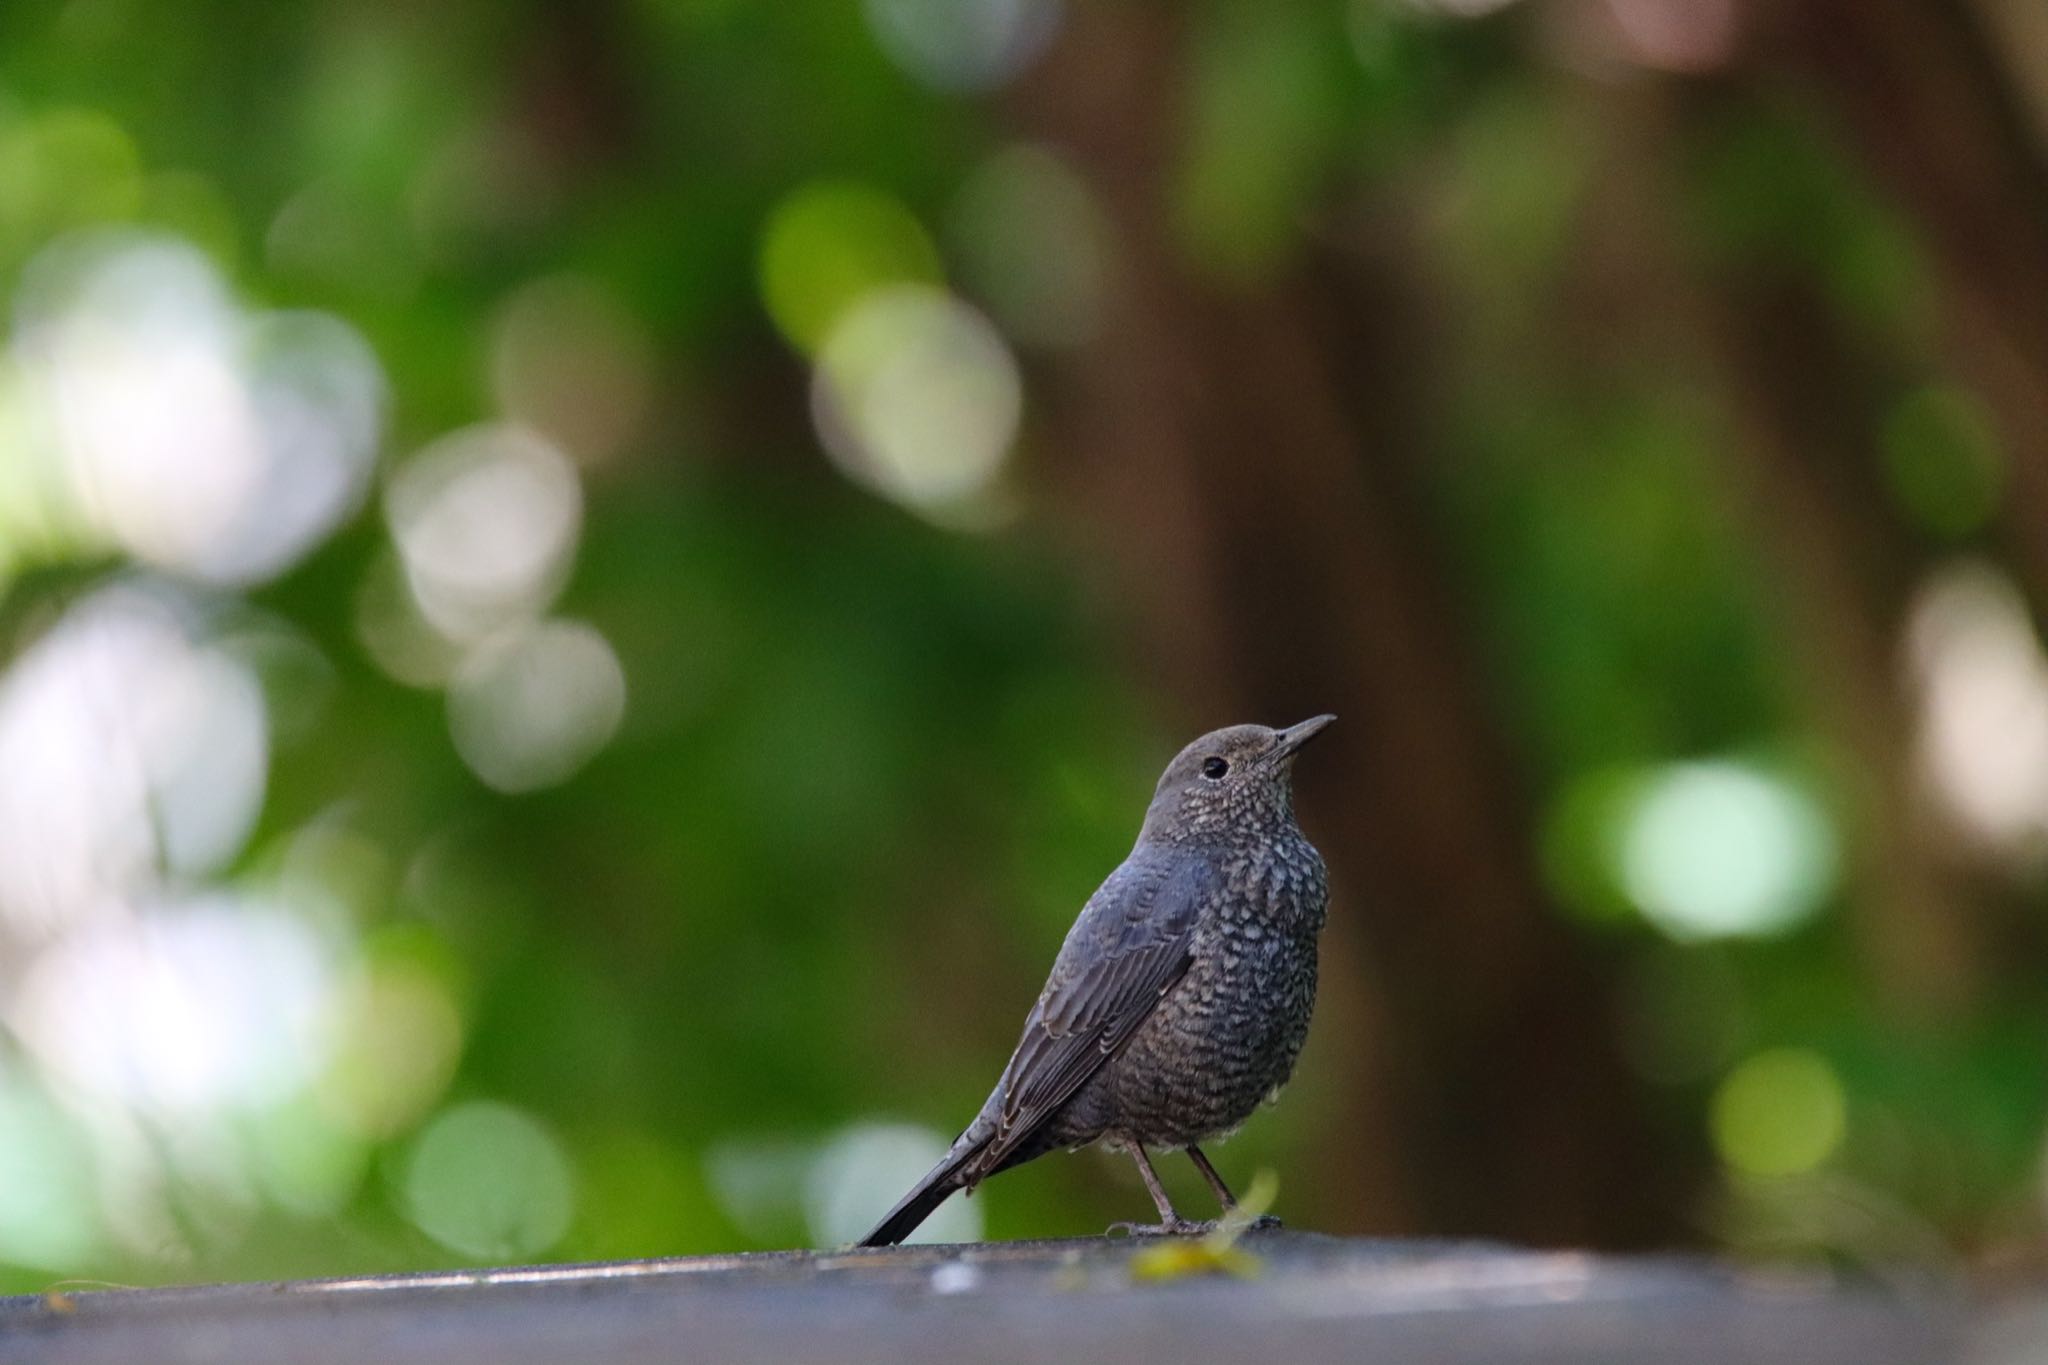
(870, 763)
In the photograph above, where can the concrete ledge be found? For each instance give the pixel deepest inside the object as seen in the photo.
(1313, 1299)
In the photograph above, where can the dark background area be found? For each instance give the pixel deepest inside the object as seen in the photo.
(586, 589)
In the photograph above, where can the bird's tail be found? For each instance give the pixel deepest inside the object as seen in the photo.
(936, 1187)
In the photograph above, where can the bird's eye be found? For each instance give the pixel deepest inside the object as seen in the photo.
(1214, 768)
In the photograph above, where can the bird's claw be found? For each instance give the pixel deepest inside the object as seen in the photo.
(1183, 1227)
(1179, 1227)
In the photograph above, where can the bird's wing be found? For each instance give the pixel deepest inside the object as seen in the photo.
(1131, 944)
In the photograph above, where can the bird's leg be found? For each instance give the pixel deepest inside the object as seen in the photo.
(1223, 1194)
(1170, 1223)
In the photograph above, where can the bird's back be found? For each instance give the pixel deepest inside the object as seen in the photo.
(1129, 946)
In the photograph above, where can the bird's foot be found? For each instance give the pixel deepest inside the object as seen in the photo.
(1177, 1227)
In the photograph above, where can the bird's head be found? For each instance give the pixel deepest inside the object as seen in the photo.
(1237, 780)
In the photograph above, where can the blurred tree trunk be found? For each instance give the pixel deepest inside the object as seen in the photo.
(1920, 92)
(1917, 91)
(1247, 460)
(1801, 390)
(1800, 387)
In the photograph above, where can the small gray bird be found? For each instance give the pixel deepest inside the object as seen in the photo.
(1182, 994)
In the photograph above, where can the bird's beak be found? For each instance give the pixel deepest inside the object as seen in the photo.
(1294, 736)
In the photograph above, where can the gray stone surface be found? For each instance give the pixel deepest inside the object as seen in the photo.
(1314, 1299)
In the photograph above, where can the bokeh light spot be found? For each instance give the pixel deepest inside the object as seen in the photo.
(963, 44)
(832, 242)
(182, 1009)
(491, 1182)
(1983, 686)
(130, 342)
(129, 749)
(1689, 36)
(1032, 245)
(398, 1037)
(1461, 9)
(48, 1212)
(305, 1162)
(219, 444)
(916, 396)
(1714, 849)
(530, 708)
(64, 169)
(1779, 1113)
(318, 396)
(759, 1184)
(487, 521)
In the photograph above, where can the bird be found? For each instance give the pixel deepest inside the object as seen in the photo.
(1182, 994)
